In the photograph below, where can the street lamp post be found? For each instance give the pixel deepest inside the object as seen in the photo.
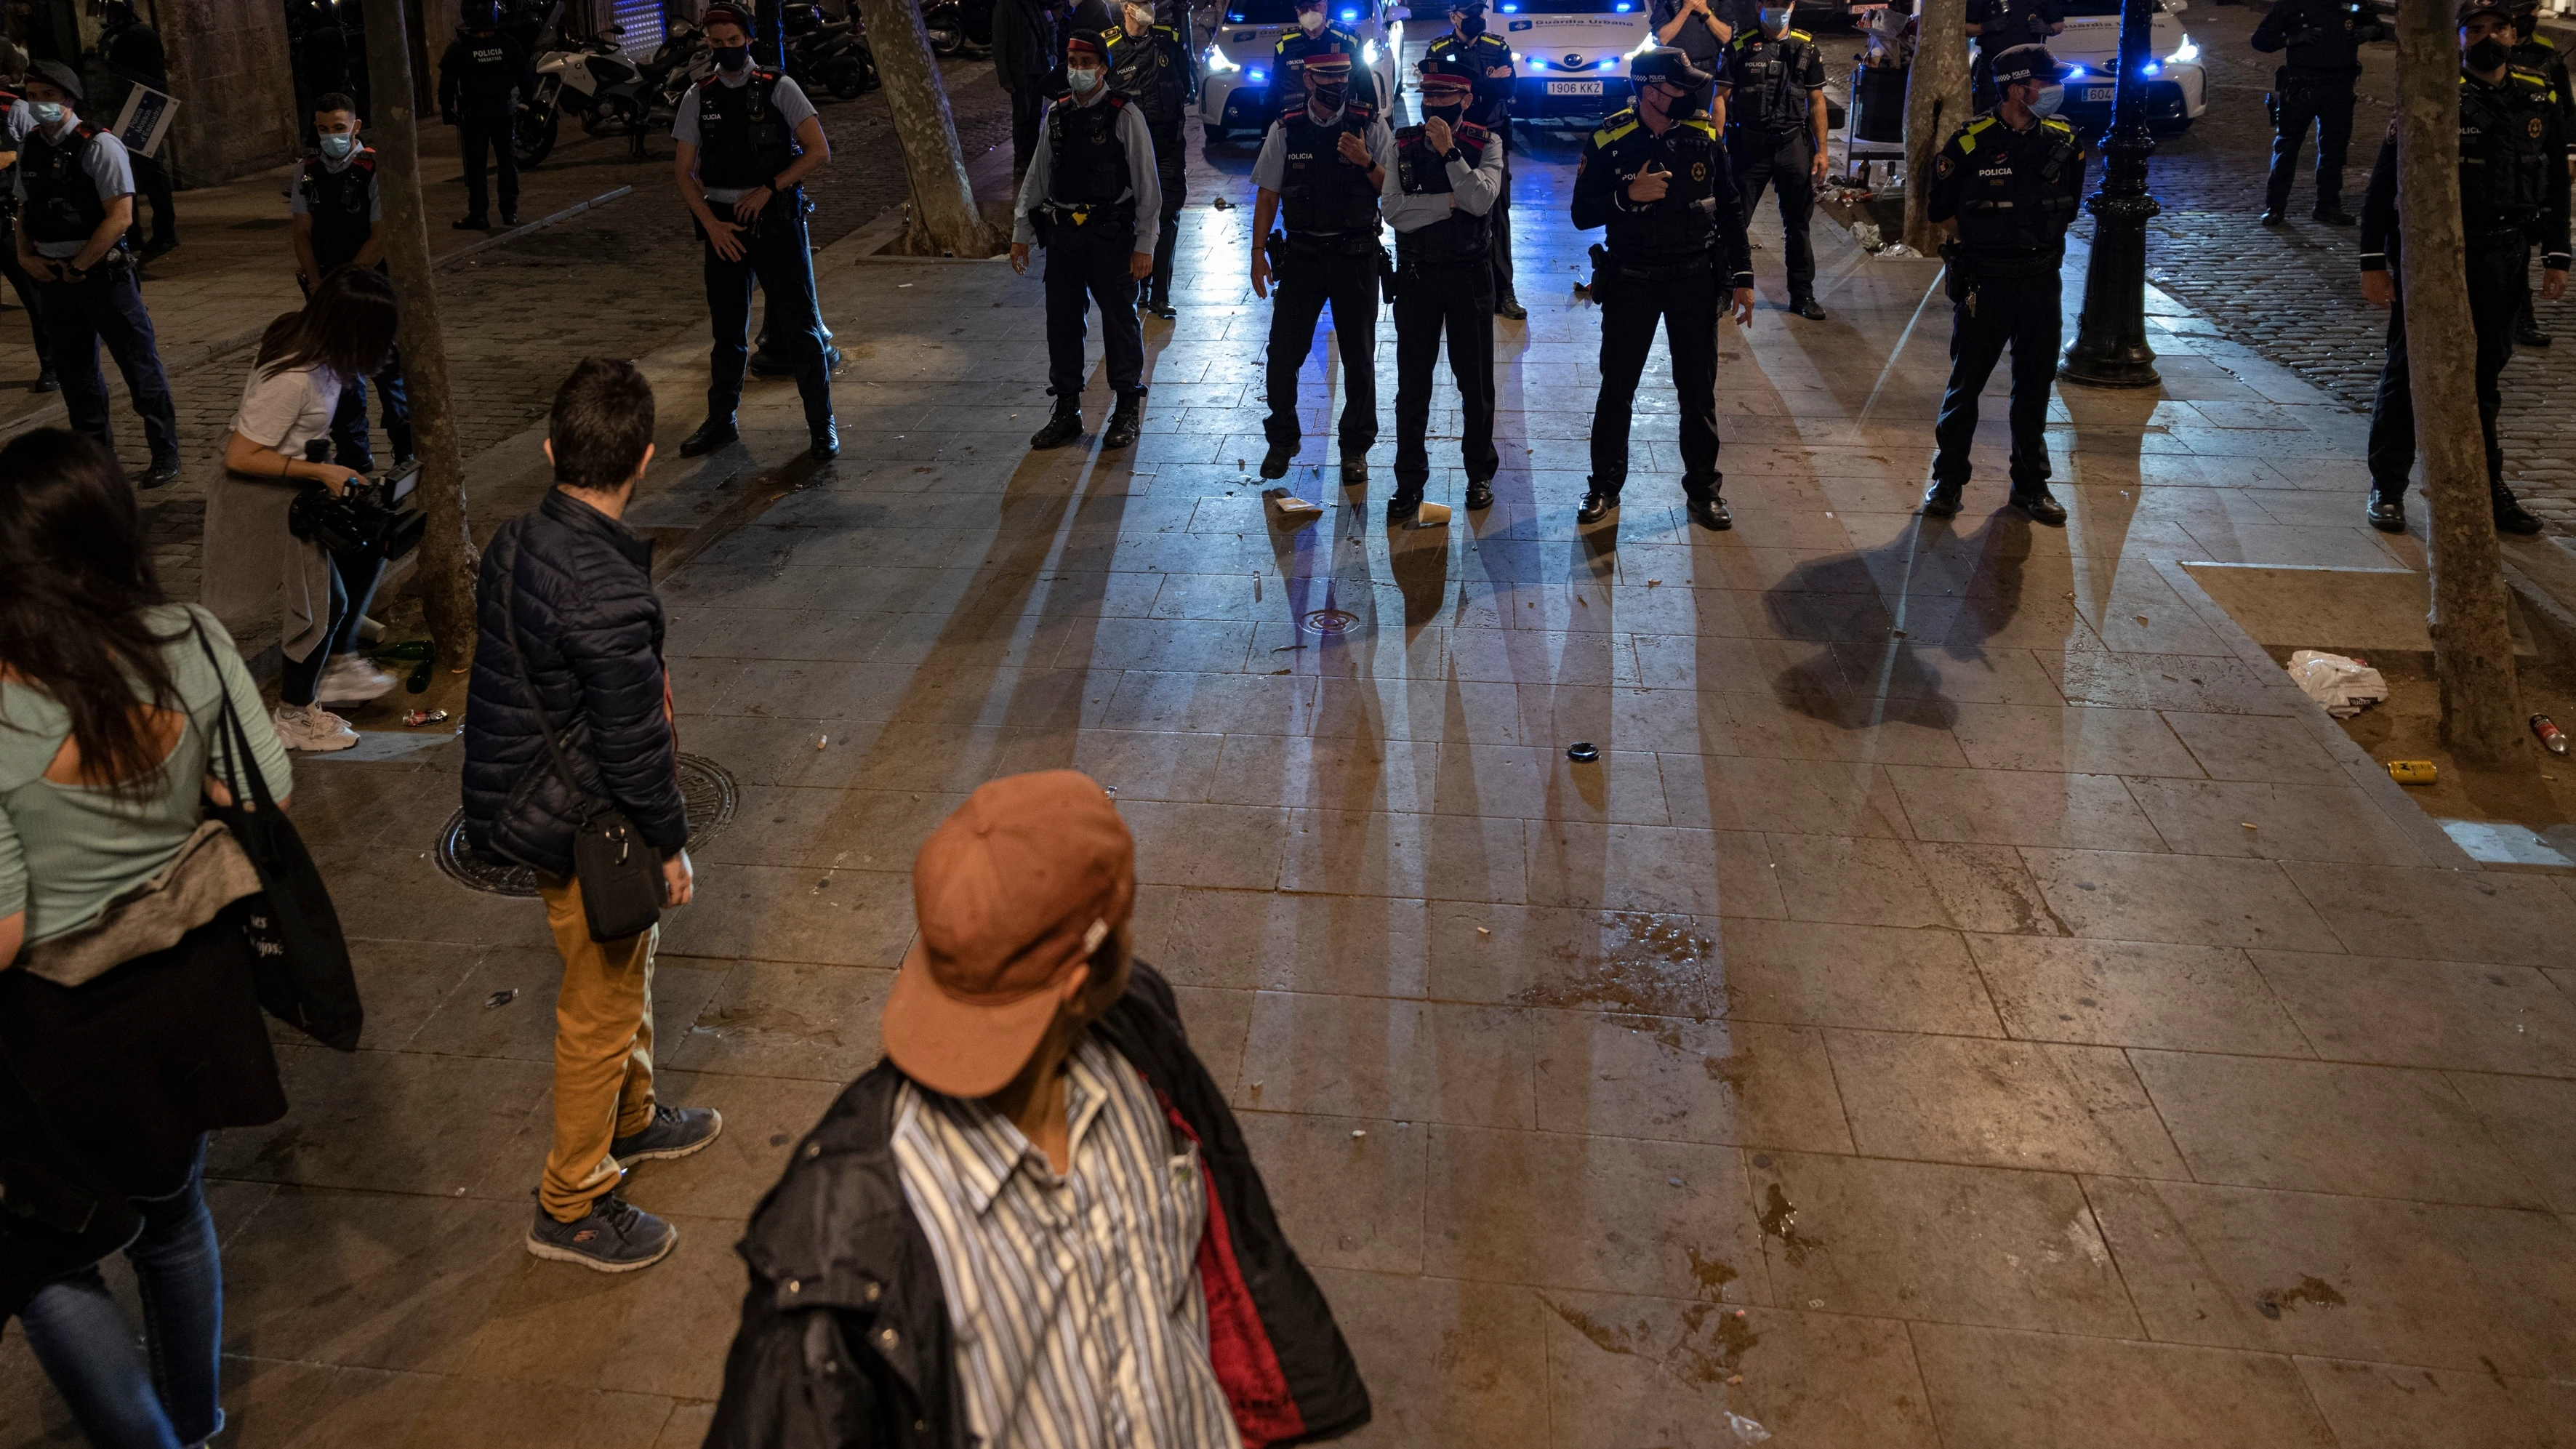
(2110, 347)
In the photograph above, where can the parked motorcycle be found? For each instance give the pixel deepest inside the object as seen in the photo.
(679, 62)
(959, 27)
(592, 78)
(825, 54)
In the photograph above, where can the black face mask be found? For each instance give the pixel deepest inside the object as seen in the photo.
(1472, 26)
(1447, 115)
(730, 57)
(2488, 54)
(1330, 97)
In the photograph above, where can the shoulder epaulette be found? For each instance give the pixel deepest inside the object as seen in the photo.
(1283, 43)
(1293, 111)
(1117, 100)
(2055, 124)
(2531, 78)
(1468, 131)
(1113, 35)
(1615, 126)
(1164, 30)
(1702, 125)
(2543, 41)
(1966, 140)
(1359, 111)
(1800, 35)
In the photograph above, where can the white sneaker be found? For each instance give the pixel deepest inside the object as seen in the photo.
(312, 728)
(350, 679)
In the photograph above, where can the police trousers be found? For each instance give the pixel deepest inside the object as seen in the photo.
(1786, 164)
(1498, 221)
(108, 307)
(2024, 314)
(2499, 281)
(1688, 306)
(2324, 102)
(349, 442)
(496, 135)
(1171, 173)
(775, 254)
(1349, 282)
(1087, 264)
(1457, 299)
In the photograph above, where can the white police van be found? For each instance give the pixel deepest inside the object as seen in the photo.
(2177, 89)
(1235, 79)
(1572, 55)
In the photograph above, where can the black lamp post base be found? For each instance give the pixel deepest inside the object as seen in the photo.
(2118, 367)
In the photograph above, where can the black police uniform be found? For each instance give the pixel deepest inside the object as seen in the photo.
(744, 142)
(2513, 188)
(2539, 55)
(105, 305)
(133, 51)
(1288, 68)
(2013, 193)
(1444, 282)
(478, 85)
(2001, 25)
(1331, 255)
(2314, 86)
(341, 204)
(1673, 261)
(1771, 138)
(1491, 108)
(1087, 222)
(24, 284)
(1154, 70)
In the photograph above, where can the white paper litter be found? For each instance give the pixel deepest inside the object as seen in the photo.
(1289, 505)
(2344, 686)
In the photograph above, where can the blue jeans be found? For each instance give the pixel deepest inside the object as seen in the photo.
(88, 1350)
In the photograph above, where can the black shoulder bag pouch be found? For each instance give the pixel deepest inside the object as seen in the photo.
(620, 875)
(299, 959)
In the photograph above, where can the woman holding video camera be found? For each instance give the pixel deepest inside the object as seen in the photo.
(256, 566)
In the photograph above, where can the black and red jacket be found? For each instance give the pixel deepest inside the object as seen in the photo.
(845, 1338)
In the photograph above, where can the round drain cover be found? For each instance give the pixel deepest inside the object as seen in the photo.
(706, 791)
(1331, 621)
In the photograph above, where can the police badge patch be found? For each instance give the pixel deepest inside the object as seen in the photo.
(1945, 167)
(1699, 169)
(2535, 128)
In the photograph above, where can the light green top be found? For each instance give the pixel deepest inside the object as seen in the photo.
(67, 850)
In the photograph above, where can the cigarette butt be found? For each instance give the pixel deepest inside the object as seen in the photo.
(825, 740)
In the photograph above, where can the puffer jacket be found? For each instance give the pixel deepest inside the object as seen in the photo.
(593, 630)
(845, 1340)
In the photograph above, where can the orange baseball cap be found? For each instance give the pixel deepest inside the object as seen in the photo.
(1010, 894)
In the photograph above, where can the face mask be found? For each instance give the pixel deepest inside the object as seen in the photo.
(2488, 54)
(47, 113)
(1139, 16)
(1330, 95)
(1472, 26)
(1775, 21)
(2045, 104)
(1311, 21)
(1448, 114)
(732, 57)
(339, 147)
(1082, 81)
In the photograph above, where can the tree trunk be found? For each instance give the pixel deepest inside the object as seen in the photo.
(944, 219)
(1936, 103)
(446, 569)
(2472, 646)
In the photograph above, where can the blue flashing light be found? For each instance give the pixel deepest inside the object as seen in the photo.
(2076, 74)
(1623, 7)
(1511, 10)
(1606, 65)
(2152, 68)
(1537, 64)
(1350, 15)
(1256, 76)
(1235, 16)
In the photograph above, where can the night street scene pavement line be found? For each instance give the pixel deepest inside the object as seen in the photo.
(1859, 978)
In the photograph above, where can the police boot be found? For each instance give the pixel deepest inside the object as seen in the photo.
(2041, 505)
(1404, 502)
(712, 434)
(2271, 216)
(46, 382)
(1597, 505)
(1710, 513)
(1941, 500)
(2387, 511)
(1061, 429)
(1508, 305)
(2332, 214)
(825, 443)
(2527, 333)
(1807, 307)
(2510, 515)
(1125, 423)
(1275, 461)
(1480, 494)
(1354, 469)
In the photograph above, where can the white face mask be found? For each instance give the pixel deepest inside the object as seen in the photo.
(1311, 21)
(1140, 16)
(1082, 79)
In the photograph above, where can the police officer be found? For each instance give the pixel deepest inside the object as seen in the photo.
(2005, 187)
(1655, 175)
(134, 55)
(1998, 26)
(1092, 200)
(2538, 54)
(1150, 64)
(1323, 163)
(13, 124)
(747, 139)
(2513, 188)
(1490, 61)
(75, 202)
(2313, 87)
(1439, 197)
(1775, 135)
(339, 222)
(1314, 30)
(479, 85)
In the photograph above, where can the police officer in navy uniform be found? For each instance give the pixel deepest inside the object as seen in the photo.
(1150, 64)
(1490, 59)
(480, 83)
(2000, 25)
(1315, 29)
(1775, 135)
(1439, 198)
(13, 122)
(1092, 200)
(1655, 175)
(2314, 86)
(2513, 189)
(1323, 165)
(339, 222)
(75, 202)
(2539, 55)
(747, 139)
(2005, 188)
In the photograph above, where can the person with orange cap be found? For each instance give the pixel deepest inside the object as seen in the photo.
(1035, 1222)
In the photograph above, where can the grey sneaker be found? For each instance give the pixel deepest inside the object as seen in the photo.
(614, 1237)
(674, 1132)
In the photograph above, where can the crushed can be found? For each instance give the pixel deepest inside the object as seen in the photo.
(2411, 772)
(2552, 738)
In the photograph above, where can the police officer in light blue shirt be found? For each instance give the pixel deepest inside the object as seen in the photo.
(75, 192)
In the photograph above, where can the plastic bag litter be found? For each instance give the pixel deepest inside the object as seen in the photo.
(1895, 251)
(2344, 686)
(1746, 1429)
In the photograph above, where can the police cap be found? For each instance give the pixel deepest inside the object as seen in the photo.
(2025, 62)
(1477, 7)
(1083, 42)
(1669, 64)
(58, 75)
(735, 15)
(2472, 9)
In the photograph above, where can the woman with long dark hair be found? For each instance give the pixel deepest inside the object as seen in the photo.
(128, 1024)
(255, 567)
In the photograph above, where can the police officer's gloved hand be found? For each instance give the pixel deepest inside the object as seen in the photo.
(1706, 206)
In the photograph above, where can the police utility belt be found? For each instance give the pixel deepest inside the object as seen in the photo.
(1607, 264)
(1053, 218)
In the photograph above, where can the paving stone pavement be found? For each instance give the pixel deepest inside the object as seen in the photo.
(1974, 1000)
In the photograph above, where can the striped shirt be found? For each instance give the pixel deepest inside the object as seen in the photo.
(1076, 1302)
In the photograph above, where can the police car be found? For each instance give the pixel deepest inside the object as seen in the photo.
(2089, 48)
(1235, 79)
(1572, 55)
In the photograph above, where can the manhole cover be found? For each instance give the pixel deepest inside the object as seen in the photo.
(706, 791)
(1331, 621)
